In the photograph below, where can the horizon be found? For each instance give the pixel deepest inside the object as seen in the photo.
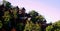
(48, 8)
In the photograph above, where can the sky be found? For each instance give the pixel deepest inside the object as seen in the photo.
(50, 9)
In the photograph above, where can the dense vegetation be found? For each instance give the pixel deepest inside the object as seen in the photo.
(16, 19)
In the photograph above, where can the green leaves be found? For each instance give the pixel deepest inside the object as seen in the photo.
(37, 22)
(15, 13)
(33, 13)
(31, 26)
(36, 17)
(49, 28)
(6, 17)
(1, 24)
(55, 27)
(28, 26)
(8, 4)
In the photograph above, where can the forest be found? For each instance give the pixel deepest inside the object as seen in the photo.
(12, 18)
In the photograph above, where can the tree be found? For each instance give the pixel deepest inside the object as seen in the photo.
(6, 4)
(35, 17)
(49, 28)
(31, 26)
(33, 13)
(54, 27)
(40, 19)
(6, 21)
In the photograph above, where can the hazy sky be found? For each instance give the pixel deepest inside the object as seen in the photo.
(50, 9)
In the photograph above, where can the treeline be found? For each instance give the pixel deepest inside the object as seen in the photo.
(16, 19)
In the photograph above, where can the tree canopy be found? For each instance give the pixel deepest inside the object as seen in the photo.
(16, 19)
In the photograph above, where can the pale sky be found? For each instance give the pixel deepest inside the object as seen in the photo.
(50, 9)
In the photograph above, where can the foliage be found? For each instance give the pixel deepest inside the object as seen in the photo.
(8, 5)
(33, 13)
(15, 13)
(6, 17)
(40, 18)
(54, 27)
(1, 24)
(31, 26)
(35, 24)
